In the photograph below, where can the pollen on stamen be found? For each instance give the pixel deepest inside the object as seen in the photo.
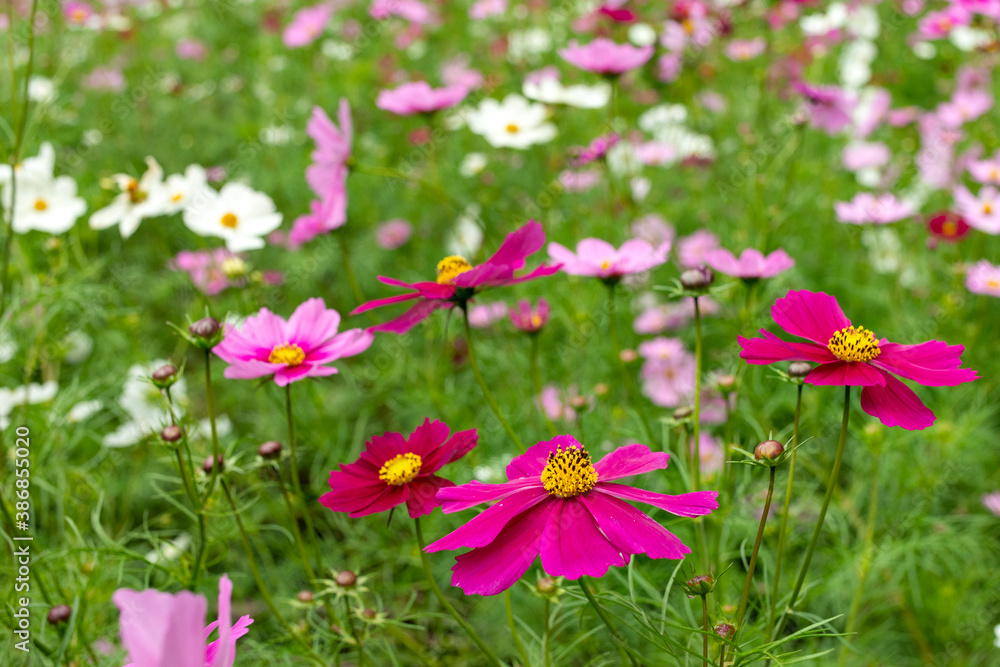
(568, 472)
(451, 267)
(400, 469)
(287, 354)
(854, 344)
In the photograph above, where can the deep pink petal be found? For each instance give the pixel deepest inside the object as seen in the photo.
(518, 245)
(630, 460)
(573, 546)
(631, 530)
(311, 324)
(411, 318)
(932, 364)
(895, 404)
(455, 448)
(846, 373)
(383, 447)
(426, 439)
(532, 462)
(698, 503)
(540, 272)
(475, 493)
(771, 349)
(496, 567)
(814, 316)
(485, 526)
(378, 303)
(423, 494)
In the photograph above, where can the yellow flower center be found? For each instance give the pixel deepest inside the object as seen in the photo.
(41, 205)
(78, 15)
(400, 469)
(135, 195)
(994, 174)
(288, 354)
(987, 208)
(234, 267)
(949, 228)
(993, 283)
(229, 220)
(536, 321)
(450, 267)
(854, 344)
(512, 128)
(569, 472)
(177, 197)
(605, 264)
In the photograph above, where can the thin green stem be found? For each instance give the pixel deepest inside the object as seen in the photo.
(783, 525)
(696, 430)
(192, 495)
(487, 653)
(354, 632)
(753, 555)
(830, 486)
(210, 406)
(704, 627)
(536, 380)
(486, 390)
(548, 632)
(618, 638)
(513, 629)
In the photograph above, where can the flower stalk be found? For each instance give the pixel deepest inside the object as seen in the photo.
(756, 548)
(783, 523)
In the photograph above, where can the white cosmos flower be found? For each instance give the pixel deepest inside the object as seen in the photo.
(49, 206)
(472, 164)
(41, 89)
(139, 199)
(179, 189)
(83, 409)
(467, 235)
(145, 406)
(39, 168)
(550, 91)
(29, 394)
(513, 123)
(237, 213)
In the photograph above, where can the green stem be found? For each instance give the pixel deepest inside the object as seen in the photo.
(536, 379)
(513, 629)
(830, 486)
(618, 638)
(210, 406)
(866, 558)
(486, 390)
(199, 512)
(753, 555)
(354, 632)
(696, 430)
(487, 653)
(704, 627)
(545, 647)
(783, 525)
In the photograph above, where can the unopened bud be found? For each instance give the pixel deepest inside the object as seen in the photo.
(208, 464)
(270, 449)
(369, 614)
(769, 449)
(578, 402)
(172, 433)
(206, 332)
(725, 630)
(726, 383)
(305, 596)
(697, 279)
(346, 578)
(628, 356)
(601, 388)
(683, 413)
(799, 369)
(545, 585)
(59, 614)
(164, 376)
(700, 585)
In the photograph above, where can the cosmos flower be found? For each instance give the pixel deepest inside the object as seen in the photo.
(29, 394)
(598, 258)
(49, 205)
(562, 506)
(179, 190)
(485, 315)
(751, 264)
(211, 271)
(982, 210)
(530, 318)
(163, 628)
(867, 208)
(948, 226)
(692, 249)
(983, 278)
(237, 213)
(579, 181)
(853, 356)
(413, 11)
(290, 350)
(668, 372)
(745, 49)
(393, 234)
(144, 406)
(307, 25)
(991, 501)
(393, 470)
(986, 171)
(484, 9)
(327, 175)
(418, 97)
(140, 198)
(604, 56)
(545, 87)
(513, 123)
(457, 280)
(829, 107)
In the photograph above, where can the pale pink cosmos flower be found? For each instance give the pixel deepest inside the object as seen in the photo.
(711, 455)
(393, 234)
(327, 175)
(965, 106)
(307, 25)
(829, 107)
(653, 229)
(668, 371)
(658, 318)
(938, 25)
(598, 258)
(528, 318)
(991, 501)
(292, 350)
(986, 170)
(982, 210)
(484, 9)
(902, 116)
(418, 97)
(713, 101)
(109, 79)
(867, 208)
(691, 249)
(77, 13)
(604, 56)
(211, 271)
(413, 11)
(752, 263)
(864, 155)
(983, 278)
(191, 49)
(456, 72)
(579, 181)
(656, 153)
(551, 403)
(745, 49)
(169, 629)
(668, 67)
(485, 315)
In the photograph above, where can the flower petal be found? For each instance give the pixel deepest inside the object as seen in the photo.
(573, 546)
(312, 323)
(423, 494)
(770, 349)
(474, 493)
(814, 316)
(532, 462)
(843, 373)
(932, 364)
(895, 404)
(160, 629)
(485, 526)
(414, 316)
(698, 503)
(630, 460)
(631, 530)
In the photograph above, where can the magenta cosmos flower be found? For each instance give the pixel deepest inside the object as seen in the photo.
(457, 280)
(604, 56)
(301, 347)
(160, 629)
(559, 504)
(853, 356)
(600, 259)
(327, 175)
(307, 25)
(752, 263)
(419, 97)
(394, 470)
(530, 318)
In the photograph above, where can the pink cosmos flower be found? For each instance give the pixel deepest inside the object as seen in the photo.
(529, 318)
(551, 402)
(672, 316)
(983, 278)
(668, 67)
(965, 106)
(191, 49)
(77, 13)
(169, 629)
(991, 501)
(413, 11)
(457, 280)
(484, 9)
(484, 315)
(604, 56)
(418, 97)
(981, 211)
(752, 263)
(745, 49)
(327, 175)
(948, 226)
(393, 234)
(394, 470)
(307, 25)
(867, 208)
(864, 155)
(986, 171)
(579, 181)
(853, 356)
(938, 25)
(829, 107)
(596, 150)
(656, 153)
(711, 456)
(692, 249)
(211, 271)
(668, 372)
(598, 258)
(653, 229)
(559, 504)
(301, 347)
(108, 79)
(456, 72)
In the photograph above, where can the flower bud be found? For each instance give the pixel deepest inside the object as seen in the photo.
(305, 596)
(369, 614)
(171, 433)
(697, 279)
(726, 383)
(208, 464)
(207, 332)
(799, 369)
(725, 630)
(270, 449)
(164, 376)
(59, 614)
(346, 579)
(628, 355)
(769, 449)
(578, 402)
(683, 412)
(546, 585)
(601, 388)
(700, 585)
